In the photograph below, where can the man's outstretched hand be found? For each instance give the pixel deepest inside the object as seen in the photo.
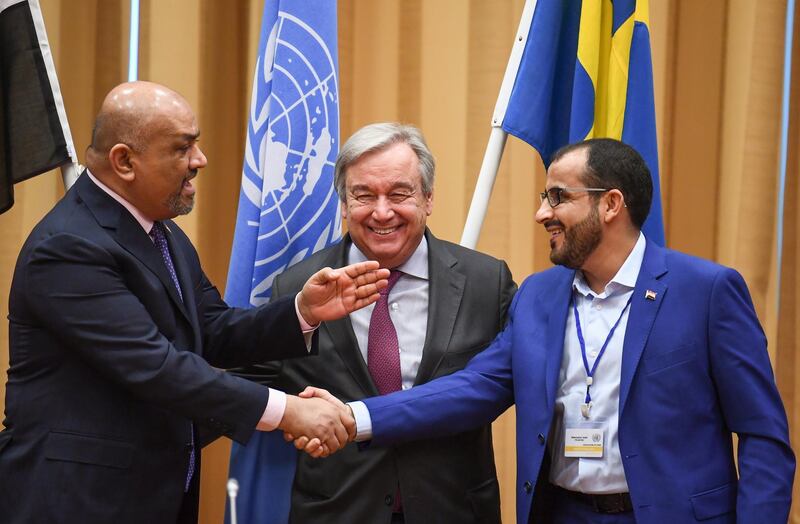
(333, 293)
(313, 445)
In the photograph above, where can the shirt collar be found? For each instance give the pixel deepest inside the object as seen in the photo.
(145, 222)
(626, 276)
(416, 265)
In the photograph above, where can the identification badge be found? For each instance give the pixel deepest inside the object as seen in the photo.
(584, 441)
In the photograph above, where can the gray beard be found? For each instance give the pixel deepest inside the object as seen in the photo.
(175, 205)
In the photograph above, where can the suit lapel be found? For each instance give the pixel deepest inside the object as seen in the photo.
(128, 233)
(341, 331)
(446, 289)
(644, 308)
(557, 301)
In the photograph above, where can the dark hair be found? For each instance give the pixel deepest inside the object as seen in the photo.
(611, 164)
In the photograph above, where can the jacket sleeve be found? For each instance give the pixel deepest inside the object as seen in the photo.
(751, 404)
(266, 373)
(79, 289)
(464, 400)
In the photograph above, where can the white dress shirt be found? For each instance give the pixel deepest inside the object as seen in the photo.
(598, 313)
(408, 309)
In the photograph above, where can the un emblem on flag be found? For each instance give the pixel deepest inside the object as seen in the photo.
(291, 150)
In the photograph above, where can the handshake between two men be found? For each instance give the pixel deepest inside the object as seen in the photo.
(317, 422)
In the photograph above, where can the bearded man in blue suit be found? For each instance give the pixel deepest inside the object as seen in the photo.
(631, 367)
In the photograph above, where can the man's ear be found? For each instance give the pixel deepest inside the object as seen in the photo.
(429, 204)
(613, 204)
(121, 162)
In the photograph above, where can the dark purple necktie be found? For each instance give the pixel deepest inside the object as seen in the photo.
(383, 350)
(160, 241)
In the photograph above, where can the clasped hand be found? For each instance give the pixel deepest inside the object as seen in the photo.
(317, 422)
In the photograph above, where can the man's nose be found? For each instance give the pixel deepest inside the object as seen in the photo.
(199, 159)
(383, 209)
(545, 212)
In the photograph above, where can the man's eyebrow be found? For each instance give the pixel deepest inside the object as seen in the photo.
(189, 137)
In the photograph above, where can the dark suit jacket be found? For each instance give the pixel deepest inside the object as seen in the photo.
(108, 367)
(695, 369)
(445, 480)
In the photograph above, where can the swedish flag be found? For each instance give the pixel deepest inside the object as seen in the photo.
(586, 72)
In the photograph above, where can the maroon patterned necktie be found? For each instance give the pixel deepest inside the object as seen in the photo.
(383, 354)
(383, 350)
(160, 241)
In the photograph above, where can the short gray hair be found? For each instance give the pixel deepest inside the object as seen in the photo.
(374, 137)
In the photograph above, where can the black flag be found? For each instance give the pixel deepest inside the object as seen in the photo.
(32, 139)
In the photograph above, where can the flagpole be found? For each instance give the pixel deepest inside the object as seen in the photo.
(785, 111)
(483, 187)
(133, 43)
(497, 137)
(69, 174)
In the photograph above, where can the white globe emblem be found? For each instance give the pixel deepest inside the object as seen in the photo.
(291, 150)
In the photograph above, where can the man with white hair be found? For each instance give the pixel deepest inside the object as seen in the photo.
(444, 304)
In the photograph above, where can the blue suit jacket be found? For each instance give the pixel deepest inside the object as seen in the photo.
(695, 370)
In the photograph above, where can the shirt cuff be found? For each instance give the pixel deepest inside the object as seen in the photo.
(363, 420)
(305, 327)
(273, 414)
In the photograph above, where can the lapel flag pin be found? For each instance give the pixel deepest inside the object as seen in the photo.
(650, 294)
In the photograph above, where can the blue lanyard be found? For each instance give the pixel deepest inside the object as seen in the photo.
(590, 372)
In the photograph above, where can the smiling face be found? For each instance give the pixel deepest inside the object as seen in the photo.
(574, 225)
(385, 206)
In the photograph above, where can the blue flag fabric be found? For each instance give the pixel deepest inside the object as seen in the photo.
(288, 207)
(586, 72)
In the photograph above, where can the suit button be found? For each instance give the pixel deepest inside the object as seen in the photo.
(528, 486)
(541, 438)
(388, 500)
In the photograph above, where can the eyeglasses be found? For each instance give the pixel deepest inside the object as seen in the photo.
(553, 195)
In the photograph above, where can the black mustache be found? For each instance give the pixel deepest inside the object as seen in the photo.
(553, 223)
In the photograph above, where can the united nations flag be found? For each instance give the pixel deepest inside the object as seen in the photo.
(287, 204)
(288, 208)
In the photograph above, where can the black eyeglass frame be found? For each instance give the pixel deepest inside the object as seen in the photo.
(553, 195)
